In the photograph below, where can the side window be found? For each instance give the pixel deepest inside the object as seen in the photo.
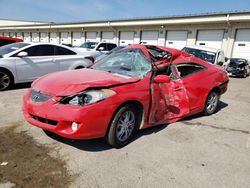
(186, 69)
(63, 51)
(41, 50)
(104, 45)
(111, 46)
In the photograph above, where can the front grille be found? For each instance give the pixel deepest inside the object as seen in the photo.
(37, 96)
(43, 120)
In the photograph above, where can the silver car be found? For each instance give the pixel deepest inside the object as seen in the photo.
(25, 62)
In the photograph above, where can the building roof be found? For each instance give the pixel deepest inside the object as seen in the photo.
(212, 17)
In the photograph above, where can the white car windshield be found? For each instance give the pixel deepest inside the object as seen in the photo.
(90, 45)
(12, 47)
(202, 54)
(128, 62)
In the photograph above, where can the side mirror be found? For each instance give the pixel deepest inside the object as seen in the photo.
(162, 79)
(101, 49)
(220, 63)
(22, 54)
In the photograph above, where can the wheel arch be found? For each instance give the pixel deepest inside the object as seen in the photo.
(139, 107)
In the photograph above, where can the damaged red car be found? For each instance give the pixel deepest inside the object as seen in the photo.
(134, 88)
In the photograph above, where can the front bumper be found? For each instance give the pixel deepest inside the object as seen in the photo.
(92, 120)
(236, 72)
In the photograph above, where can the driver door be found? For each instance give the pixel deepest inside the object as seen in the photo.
(169, 100)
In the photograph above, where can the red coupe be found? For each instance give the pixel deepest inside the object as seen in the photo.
(134, 88)
(8, 40)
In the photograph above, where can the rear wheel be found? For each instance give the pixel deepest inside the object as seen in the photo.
(123, 126)
(6, 80)
(211, 103)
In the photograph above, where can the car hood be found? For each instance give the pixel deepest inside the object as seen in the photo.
(66, 83)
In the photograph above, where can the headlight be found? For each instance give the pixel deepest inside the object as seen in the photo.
(88, 97)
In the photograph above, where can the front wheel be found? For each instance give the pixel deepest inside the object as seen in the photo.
(123, 126)
(6, 80)
(211, 103)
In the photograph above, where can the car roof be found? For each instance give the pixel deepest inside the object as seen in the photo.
(204, 48)
(11, 38)
(178, 55)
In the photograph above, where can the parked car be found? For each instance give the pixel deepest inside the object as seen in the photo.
(108, 53)
(131, 89)
(25, 62)
(211, 55)
(8, 40)
(238, 67)
(94, 49)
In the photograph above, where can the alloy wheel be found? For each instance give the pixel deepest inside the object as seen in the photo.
(212, 102)
(4, 80)
(125, 125)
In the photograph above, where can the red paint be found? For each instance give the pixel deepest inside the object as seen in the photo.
(11, 39)
(163, 100)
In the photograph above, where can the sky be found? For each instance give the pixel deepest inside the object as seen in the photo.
(89, 10)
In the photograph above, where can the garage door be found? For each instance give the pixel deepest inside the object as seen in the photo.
(242, 44)
(176, 39)
(19, 35)
(210, 38)
(127, 37)
(108, 36)
(26, 37)
(44, 37)
(12, 34)
(35, 37)
(53, 38)
(149, 37)
(64, 38)
(6, 34)
(90, 36)
(76, 38)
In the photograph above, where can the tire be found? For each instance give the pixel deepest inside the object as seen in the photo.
(123, 126)
(211, 103)
(6, 80)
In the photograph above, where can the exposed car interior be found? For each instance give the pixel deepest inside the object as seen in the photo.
(158, 54)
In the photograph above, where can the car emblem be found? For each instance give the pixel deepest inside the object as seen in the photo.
(35, 97)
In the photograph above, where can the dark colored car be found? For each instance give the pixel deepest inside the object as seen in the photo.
(8, 40)
(238, 67)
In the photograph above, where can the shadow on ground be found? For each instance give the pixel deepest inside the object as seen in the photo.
(21, 86)
(96, 145)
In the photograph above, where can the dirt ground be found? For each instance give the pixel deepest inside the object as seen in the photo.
(29, 163)
(211, 151)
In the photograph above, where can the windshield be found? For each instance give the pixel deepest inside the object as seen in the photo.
(90, 45)
(204, 55)
(11, 47)
(127, 62)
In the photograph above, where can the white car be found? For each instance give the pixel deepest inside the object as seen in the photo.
(92, 50)
(25, 62)
(211, 55)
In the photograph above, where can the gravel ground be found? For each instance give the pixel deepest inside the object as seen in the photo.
(211, 151)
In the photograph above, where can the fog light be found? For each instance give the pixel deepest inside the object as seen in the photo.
(74, 126)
